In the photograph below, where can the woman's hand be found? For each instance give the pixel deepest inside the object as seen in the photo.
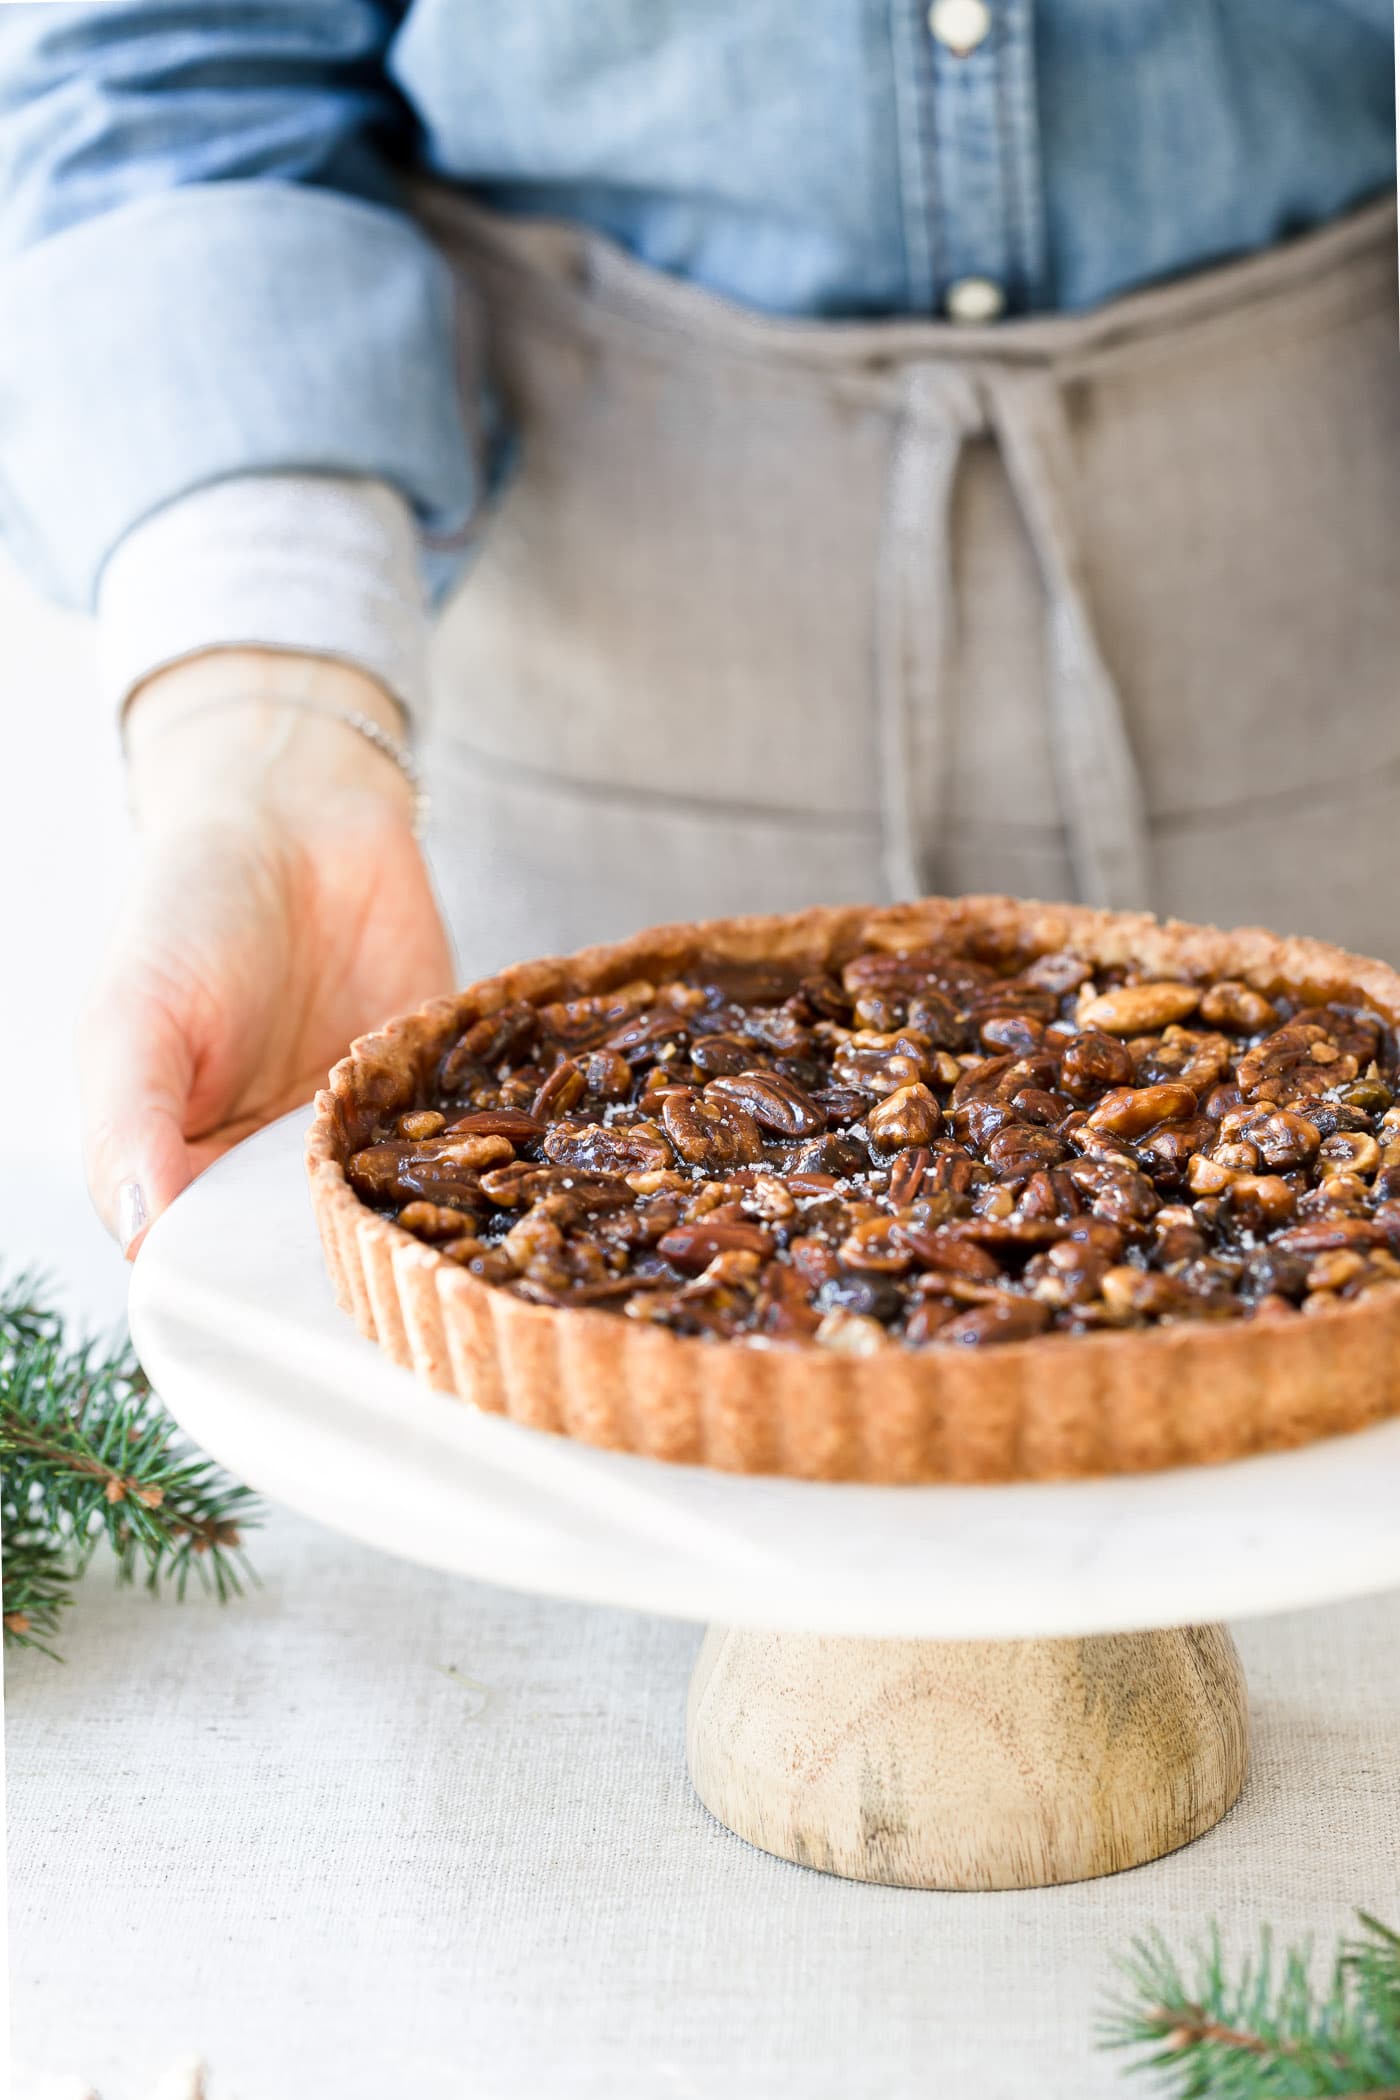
(281, 906)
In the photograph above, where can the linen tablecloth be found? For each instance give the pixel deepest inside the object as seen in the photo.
(375, 1832)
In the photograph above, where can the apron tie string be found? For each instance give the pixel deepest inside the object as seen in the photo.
(939, 410)
(1097, 781)
(1099, 786)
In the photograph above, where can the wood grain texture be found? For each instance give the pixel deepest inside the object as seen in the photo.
(968, 1764)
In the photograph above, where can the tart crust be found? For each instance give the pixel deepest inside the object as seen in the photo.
(1054, 1407)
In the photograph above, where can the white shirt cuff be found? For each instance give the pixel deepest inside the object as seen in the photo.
(314, 563)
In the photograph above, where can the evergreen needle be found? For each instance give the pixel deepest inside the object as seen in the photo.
(88, 1453)
(1264, 2032)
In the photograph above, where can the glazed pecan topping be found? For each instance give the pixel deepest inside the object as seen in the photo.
(934, 1149)
(711, 1133)
(777, 1104)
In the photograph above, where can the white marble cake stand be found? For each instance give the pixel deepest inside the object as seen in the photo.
(956, 1687)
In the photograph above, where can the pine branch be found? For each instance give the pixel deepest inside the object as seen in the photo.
(87, 1453)
(38, 1585)
(1266, 2033)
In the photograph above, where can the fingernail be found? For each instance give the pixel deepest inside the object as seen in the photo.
(131, 1212)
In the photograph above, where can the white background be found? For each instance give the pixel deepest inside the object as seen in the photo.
(63, 848)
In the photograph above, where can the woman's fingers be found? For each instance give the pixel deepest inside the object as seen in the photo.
(134, 1071)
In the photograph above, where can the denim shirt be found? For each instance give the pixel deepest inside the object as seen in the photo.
(206, 270)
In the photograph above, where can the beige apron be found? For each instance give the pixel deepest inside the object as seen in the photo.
(774, 613)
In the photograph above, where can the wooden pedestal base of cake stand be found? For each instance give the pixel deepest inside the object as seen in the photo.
(968, 1764)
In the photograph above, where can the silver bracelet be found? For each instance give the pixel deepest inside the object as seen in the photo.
(398, 754)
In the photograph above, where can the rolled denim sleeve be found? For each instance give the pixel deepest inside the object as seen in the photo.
(204, 273)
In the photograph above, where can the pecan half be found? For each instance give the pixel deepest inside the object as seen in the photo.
(908, 1116)
(693, 1247)
(946, 1253)
(1009, 1320)
(1349, 1152)
(838, 1154)
(1093, 1062)
(1320, 1235)
(1291, 1060)
(1021, 1149)
(564, 1088)
(775, 1103)
(1134, 1009)
(881, 1063)
(640, 1038)
(1188, 1055)
(907, 1172)
(436, 1221)
(1261, 1202)
(877, 1246)
(496, 1036)
(441, 1171)
(851, 1334)
(711, 1133)
(1020, 1032)
(512, 1123)
(608, 1075)
(625, 1148)
(1280, 1136)
(715, 1055)
(1230, 1004)
(1130, 1112)
(512, 1187)
(1115, 1190)
(422, 1123)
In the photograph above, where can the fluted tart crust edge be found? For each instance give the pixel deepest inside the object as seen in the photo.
(1052, 1407)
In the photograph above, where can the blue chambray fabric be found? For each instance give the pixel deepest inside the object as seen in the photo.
(205, 268)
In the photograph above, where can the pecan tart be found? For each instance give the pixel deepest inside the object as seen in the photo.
(971, 1189)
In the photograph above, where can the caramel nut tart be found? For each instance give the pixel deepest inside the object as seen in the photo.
(970, 1189)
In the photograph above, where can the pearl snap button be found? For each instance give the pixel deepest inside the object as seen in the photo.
(960, 25)
(974, 299)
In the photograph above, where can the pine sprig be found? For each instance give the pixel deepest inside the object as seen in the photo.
(1265, 2032)
(87, 1453)
(39, 1577)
